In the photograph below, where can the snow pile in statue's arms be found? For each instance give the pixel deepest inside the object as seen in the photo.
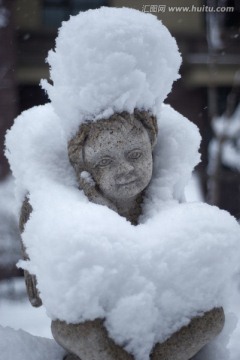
(19, 345)
(146, 281)
(110, 60)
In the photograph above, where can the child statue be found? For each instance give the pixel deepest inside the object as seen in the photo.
(113, 162)
(125, 268)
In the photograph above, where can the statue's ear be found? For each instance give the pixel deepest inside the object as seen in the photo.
(152, 127)
(153, 137)
(149, 121)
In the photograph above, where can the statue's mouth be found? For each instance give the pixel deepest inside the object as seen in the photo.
(127, 183)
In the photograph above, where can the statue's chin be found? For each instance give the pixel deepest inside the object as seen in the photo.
(126, 191)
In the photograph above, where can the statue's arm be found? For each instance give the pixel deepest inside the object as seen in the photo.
(30, 280)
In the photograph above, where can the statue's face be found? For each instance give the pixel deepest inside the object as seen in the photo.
(119, 158)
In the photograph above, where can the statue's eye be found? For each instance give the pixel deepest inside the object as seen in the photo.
(104, 162)
(135, 154)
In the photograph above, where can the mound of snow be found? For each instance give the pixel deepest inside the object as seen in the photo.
(19, 345)
(110, 60)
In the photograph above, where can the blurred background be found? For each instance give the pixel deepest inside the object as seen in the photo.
(208, 93)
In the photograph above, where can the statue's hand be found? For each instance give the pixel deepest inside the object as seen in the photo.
(88, 185)
(31, 285)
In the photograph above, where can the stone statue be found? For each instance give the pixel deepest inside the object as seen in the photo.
(113, 161)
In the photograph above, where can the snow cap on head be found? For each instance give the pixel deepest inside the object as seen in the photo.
(110, 60)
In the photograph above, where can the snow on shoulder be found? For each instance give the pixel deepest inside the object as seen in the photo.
(146, 281)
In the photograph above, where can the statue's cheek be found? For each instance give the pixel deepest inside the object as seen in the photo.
(98, 174)
(105, 179)
(145, 166)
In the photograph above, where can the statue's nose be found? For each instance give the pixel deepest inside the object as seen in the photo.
(125, 167)
(125, 172)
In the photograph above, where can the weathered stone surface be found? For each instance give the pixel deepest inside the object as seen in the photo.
(30, 280)
(90, 341)
(70, 357)
(185, 343)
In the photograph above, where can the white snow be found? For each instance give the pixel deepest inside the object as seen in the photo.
(17, 313)
(87, 177)
(19, 345)
(193, 191)
(9, 233)
(149, 280)
(21, 315)
(110, 60)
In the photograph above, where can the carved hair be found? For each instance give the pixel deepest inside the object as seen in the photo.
(76, 144)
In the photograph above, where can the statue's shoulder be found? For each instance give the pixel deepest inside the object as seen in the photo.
(28, 124)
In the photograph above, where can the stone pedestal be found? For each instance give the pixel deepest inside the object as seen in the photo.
(90, 341)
